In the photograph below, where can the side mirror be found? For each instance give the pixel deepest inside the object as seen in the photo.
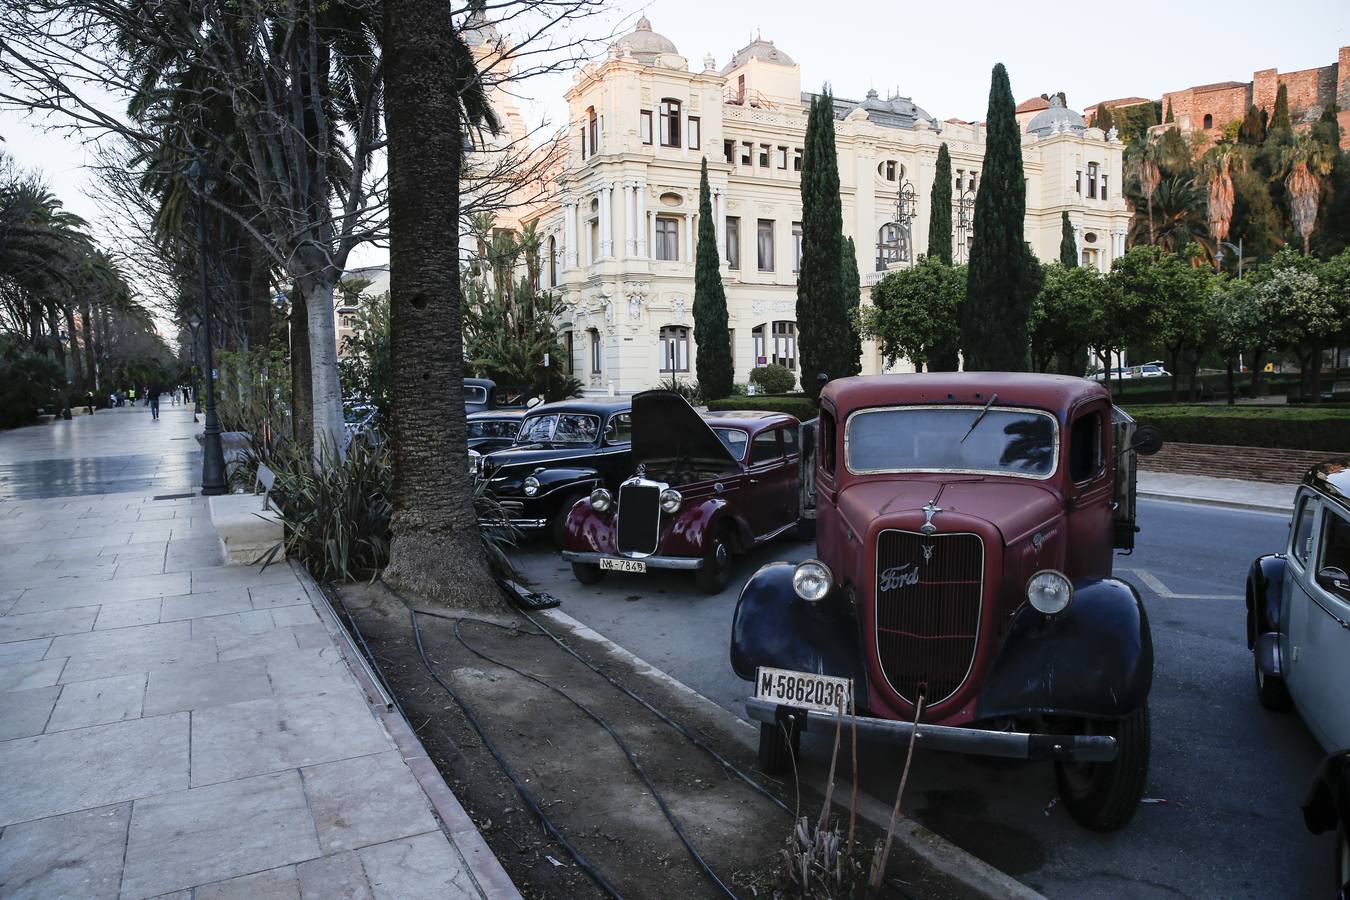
(1334, 580)
(1147, 440)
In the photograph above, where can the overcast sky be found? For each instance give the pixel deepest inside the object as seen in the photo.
(937, 53)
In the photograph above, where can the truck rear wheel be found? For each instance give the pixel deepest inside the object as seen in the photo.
(777, 748)
(587, 573)
(1104, 796)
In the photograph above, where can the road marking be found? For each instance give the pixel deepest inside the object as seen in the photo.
(1156, 586)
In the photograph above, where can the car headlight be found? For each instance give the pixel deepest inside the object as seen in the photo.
(671, 500)
(1049, 592)
(601, 500)
(475, 462)
(812, 580)
(530, 486)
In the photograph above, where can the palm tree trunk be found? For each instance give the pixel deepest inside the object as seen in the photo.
(76, 358)
(302, 402)
(436, 549)
(90, 354)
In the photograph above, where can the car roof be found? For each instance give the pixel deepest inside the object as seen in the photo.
(487, 414)
(603, 406)
(1332, 478)
(1050, 392)
(752, 420)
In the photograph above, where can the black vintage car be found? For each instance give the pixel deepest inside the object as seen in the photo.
(494, 429)
(563, 451)
(1327, 808)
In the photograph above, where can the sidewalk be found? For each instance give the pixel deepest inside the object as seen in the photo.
(171, 726)
(1230, 492)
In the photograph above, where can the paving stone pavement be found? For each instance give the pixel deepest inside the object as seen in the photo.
(174, 726)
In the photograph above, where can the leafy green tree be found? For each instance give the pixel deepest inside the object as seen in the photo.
(1164, 296)
(940, 208)
(1068, 243)
(1238, 329)
(1306, 162)
(1299, 313)
(1004, 276)
(365, 367)
(1062, 317)
(1252, 133)
(1177, 217)
(916, 312)
(713, 362)
(773, 378)
(821, 306)
(853, 297)
(1103, 118)
(1256, 222)
(1279, 118)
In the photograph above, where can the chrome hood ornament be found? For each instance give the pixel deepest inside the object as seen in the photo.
(929, 511)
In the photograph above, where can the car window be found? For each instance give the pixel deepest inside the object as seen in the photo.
(475, 393)
(1085, 447)
(1335, 547)
(789, 441)
(952, 439)
(1301, 541)
(619, 429)
(574, 429)
(493, 428)
(734, 439)
(764, 447)
(825, 443)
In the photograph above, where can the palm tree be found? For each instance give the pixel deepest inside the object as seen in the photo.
(1305, 162)
(1216, 173)
(1148, 157)
(1178, 216)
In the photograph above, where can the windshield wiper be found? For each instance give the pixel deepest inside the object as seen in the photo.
(979, 418)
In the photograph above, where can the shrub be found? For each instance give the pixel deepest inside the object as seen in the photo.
(773, 379)
(802, 407)
(1280, 427)
(686, 388)
(28, 382)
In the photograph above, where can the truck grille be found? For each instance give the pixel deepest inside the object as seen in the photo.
(639, 518)
(927, 611)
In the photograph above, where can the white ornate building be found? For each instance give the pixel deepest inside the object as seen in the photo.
(620, 230)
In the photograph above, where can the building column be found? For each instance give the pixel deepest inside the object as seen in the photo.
(570, 233)
(1078, 244)
(641, 225)
(606, 221)
(629, 217)
(720, 221)
(651, 233)
(689, 236)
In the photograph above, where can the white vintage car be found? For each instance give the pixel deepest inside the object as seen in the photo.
(1298, 609)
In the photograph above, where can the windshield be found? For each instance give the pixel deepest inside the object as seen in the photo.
(568, 428)
(493, 428)
(928, 439)
(475, 393)
(734, 439)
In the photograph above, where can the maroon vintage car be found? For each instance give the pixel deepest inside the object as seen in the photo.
(706, 488)
(965, 527)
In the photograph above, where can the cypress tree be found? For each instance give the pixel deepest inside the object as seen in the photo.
(1103, 118)
(1168, 120)
(1279, 119)
(1250, 132)
(713, 362)
(822, 344)
(1004, 277)
(853, 298)
(940, 209)
(1265, 124)
(1068, 245)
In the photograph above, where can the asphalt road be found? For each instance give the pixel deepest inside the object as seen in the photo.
(1228, 775)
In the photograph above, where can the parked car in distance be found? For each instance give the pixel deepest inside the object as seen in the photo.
(1149, 370)
(358, 417)
(705, 488)
(493, 429)
(1327, 808)
(1117, 374)
(482, 394)
(562, 452)
(1298, 609)
(965, 529)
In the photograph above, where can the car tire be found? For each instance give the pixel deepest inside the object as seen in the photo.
(557, 526)
(1270, 690)
(1104, 796)
(1343, 863)
(587, 573)
(715, 573)
(777, 749)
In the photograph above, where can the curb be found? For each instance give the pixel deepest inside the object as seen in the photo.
(480, 863)
(973, 873)
(1215, 501)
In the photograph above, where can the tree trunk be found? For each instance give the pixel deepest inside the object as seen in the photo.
(436, 551)
(259, 299)
(325, 392)
(1315, 372)
(90, 353)
(302, 404)
(78, 374)
(1232, 388)
(1175, 354)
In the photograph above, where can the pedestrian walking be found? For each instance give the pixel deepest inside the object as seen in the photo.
(152, 400)
(89, 402)
(131, 395)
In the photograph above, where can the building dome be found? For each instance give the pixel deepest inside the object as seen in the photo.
(646, 45)
(1056, 119)
(759, 49)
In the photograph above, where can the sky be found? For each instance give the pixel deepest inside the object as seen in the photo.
(938, 54)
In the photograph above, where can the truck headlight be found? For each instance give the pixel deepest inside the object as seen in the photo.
(475, 462)
(601, 500)
(1049, 592)
(671, 500)
(530, 486)
(812, 580)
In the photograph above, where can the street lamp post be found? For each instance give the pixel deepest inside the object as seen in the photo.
(195, 323)
(213, 457)
(67, 345)
(1218, 253)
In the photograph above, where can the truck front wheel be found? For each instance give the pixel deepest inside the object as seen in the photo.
(1104, 796)
(778, 745)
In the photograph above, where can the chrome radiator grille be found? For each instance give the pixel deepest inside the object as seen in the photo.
(928, 591)
(639, 518)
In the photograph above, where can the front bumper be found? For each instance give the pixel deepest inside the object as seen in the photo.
(973, 741)
(680, 563)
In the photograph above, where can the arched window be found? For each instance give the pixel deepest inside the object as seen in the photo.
(675, 348)
(552, 261)
(890, 170)
(670, 123)
(892, 245)
(1209, 121)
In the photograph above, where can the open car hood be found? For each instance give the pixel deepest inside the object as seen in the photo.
(665, 427)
